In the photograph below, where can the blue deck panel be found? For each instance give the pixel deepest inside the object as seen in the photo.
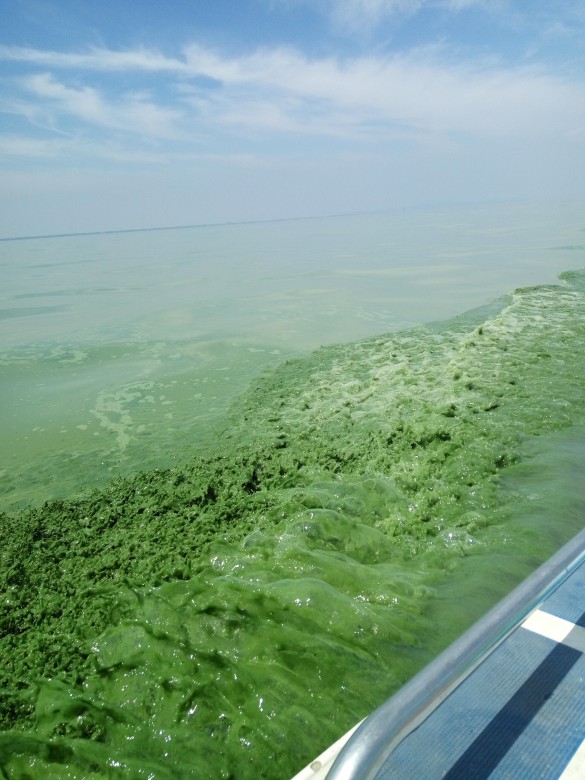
(508, 720)
(519, 715)
(568, 601)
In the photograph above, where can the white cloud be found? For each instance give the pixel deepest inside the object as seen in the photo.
(66, 148)
(95, 58)
(361, 16)
(135, 113)
(277, 92)
(420, 94)
(368, 13)
(17, 146)
(460, 5)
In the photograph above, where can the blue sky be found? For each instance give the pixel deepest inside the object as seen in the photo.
(141, 113)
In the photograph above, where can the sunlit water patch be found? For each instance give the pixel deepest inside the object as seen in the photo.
(232, 616)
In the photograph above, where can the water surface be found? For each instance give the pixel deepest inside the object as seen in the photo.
(120, 351)
(349, 514)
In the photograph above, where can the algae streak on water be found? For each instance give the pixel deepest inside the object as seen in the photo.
(230, 618)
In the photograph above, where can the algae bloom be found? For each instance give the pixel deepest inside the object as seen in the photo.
(231, 617)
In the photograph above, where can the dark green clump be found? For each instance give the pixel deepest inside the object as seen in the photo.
(60, 561)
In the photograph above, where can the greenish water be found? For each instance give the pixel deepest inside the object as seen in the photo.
(356, 509)
(76, 416)
(120, 352)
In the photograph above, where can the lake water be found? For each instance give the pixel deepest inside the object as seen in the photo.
(117, 351)
(341, 440)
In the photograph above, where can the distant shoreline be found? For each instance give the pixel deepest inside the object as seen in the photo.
(187, 227)
(394, 209)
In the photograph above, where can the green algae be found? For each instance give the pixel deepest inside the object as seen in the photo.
(74, 418)
(232, 616)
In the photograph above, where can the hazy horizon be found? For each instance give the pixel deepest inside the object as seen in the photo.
(422, 207)
(215, 113)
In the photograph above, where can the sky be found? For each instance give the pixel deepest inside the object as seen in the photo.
(129, 114)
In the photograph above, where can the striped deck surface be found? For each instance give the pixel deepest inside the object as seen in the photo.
(518, 715)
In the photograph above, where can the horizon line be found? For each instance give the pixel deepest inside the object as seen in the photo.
(199, 225)
(409, 207)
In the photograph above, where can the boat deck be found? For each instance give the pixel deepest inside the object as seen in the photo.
(519, 714)
(510, 708)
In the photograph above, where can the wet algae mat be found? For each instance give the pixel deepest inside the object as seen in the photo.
(232, 617)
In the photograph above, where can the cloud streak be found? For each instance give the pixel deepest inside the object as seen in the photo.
(280, 90)
(96, 59)
(134, 114)
(361, 16)
(418, 93)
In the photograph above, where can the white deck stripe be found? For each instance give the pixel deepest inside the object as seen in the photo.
(566, 633)
(575, 769)
(319, 768)
(556, 628)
